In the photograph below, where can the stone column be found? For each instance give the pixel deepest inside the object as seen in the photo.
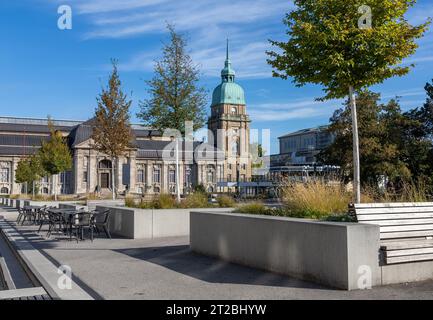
(132, 172)
(149, 173)
(119, 174)
(15, 187)
(93, 172)
(164, 178)
(76, 171)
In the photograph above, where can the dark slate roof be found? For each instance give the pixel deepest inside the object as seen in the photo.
(17, 150)
(21, 140)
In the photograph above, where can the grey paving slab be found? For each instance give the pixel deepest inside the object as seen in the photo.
(165, 268)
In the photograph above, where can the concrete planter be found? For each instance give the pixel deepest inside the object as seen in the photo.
(149, 223)
(334, 254)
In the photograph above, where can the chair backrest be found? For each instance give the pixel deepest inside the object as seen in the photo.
(102, 217)
(398, 220)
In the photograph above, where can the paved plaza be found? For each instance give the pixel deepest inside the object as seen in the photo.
(165, 268)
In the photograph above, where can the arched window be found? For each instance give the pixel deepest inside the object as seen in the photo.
(4, 190)
(45, 190)
(235, 148)
(233, 110)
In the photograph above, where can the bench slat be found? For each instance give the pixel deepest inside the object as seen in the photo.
(407, 228)
(414, 258)
(407, 234)
(397, 216)
(393, 205)
(398, 222)
(405, 244)
(408, 252)
(393, 210)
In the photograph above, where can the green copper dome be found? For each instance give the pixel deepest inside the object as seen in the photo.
(228, 92)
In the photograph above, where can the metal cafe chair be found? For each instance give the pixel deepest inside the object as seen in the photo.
(101, 220)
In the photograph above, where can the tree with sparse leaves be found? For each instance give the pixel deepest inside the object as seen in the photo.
(328, 47)
(112, 134)
(175, 94)
(55, 155)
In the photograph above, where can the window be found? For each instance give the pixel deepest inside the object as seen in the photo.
(156, 190)
(172, 176)
(156, 174)
(210, 176)
(4, 174)
(85, 162)
(188, 175)
(235, 148)
(45, 190)
(230, 166)
(233, 110)
(140, 190)
(85, 176)
(140, 176)
(242, 177)
(229, 178)
(4, 190)
(244, 166)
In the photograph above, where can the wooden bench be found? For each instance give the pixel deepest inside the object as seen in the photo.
(406, 229)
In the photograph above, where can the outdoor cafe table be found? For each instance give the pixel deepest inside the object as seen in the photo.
(34, 210)
(68, 215)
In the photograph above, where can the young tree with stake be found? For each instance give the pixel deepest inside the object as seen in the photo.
(331, 45)
(55, 156)
(111, 127)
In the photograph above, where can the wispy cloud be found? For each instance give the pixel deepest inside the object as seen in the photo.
(248, 24)
(297, 109)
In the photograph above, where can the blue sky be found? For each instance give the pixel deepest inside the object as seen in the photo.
(46, 71)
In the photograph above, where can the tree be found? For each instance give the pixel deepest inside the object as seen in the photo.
(394, 144)
(330, 45)
(175, 95)
(55, 156)
(380, 140)
(111, 127)
(29, 170)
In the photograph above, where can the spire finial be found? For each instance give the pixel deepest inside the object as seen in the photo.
(227, 53)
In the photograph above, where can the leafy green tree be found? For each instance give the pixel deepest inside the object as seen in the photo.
(175, 94)
(328, 46)
(112, 134)
(55, 155)
(29, 170)
(393, 143)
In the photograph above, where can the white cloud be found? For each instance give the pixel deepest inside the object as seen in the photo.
(297, 109)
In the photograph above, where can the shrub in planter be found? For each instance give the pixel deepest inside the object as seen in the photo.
(253, 208)
(226, 201)
(196, 200)
(164, 201)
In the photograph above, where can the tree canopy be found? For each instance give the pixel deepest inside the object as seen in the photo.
(112, 133)
(393, 143)
(326, 46)
(54, 154)
(175, 93)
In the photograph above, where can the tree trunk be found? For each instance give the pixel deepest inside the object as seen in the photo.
(356, 163)
(55, 186)
(113, 182)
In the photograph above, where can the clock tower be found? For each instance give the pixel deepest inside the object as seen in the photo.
(230, 126)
